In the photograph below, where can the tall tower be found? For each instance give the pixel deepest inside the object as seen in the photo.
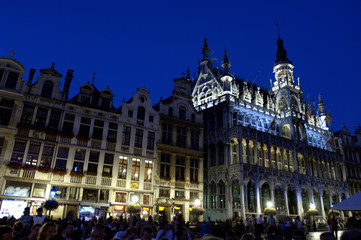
(288, 96)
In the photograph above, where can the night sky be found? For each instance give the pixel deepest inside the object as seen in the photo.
(133, 44)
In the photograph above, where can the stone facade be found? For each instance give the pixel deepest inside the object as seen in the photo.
(265, 145)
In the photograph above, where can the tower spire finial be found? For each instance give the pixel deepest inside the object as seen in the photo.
(93, 78)
(281, 51)
(226, 64)
(188, 76)
(205, 49)
(278, 30)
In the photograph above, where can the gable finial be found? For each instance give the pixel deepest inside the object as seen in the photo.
(205, 49)
(226, 64)
(12, 54)
(93, 78)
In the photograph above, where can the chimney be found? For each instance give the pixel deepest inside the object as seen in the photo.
(31, 75)
(68, 78)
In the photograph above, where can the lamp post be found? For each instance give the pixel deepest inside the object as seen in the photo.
(313, 207)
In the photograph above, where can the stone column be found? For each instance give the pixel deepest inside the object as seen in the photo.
(299, 201)
(187, 167)
(262, 152)
(269, 155)
(258, 196)
(245, 191)
(287, 211)
(272, 189)
(228, 199)
(248, 151)
(243, 202)
(322, 206)
(172, 166)
(276, 158)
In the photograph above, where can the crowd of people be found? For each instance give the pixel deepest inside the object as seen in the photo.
(39, 227)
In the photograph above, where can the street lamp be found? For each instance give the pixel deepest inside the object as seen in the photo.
(197, 202)
(135, 199)
(53, 192)
(269, 204)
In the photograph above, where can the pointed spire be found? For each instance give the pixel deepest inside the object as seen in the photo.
(188, 76)
(226, 64)
(321, 105)
(281, 51)
(93, 78)
(205, 49)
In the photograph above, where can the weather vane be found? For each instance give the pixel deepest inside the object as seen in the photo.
(12, 54)
(278, 30)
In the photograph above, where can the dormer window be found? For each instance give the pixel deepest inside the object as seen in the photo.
(141, 113)
(47, 90)
(182, 113)
(12, 80)
(105, 102)
(85, 98)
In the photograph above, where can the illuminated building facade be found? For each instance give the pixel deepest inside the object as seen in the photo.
(264, 145)
(179, 176)
(92, 156)
(349, 146)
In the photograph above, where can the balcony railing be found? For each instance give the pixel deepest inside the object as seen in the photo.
(121, 183)
(91, 180)
(106, 181)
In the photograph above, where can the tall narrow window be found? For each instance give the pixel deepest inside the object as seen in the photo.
(138, 138)
(182, 113)
(78, 164)
(150, 140)
(212, 154)
(93, 162)
(123, 165)
(68, 123)
(18, 152)
(165, 166)
(54, 119)
(47, 90)
(167, 133)
(61, 158)
(126, 135)
(194, 170)
(84, 127)
(41, 115)
(181, 137)
(148, 171)
(6, 109)
(220, 153)
(47, 155)
(194, 139)
(180, 167)
(213, 195)
(112, 132)
(141, 113)
(108, 165)
(33, 154)
(98, 129)
(12, 80)
(222, 195)
(27, 115)
(135, 169)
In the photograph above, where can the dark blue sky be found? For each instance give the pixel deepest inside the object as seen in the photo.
(132, 44)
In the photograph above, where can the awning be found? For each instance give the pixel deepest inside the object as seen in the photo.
(96, 205)
(69, 202)
(352, 203)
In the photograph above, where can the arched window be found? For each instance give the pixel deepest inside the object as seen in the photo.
(141, 113)
(222, 194)
(47, 90)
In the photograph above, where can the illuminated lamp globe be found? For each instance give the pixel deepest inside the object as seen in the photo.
(312, 206)
(135, 199)
(269, 204)
(197, 202)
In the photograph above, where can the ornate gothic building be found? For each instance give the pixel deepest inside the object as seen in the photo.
(264, 145)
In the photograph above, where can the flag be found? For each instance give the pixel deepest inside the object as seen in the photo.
(328, 119)
(309, 111)
(273, 124)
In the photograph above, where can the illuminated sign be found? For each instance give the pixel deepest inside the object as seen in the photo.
(118, 208)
